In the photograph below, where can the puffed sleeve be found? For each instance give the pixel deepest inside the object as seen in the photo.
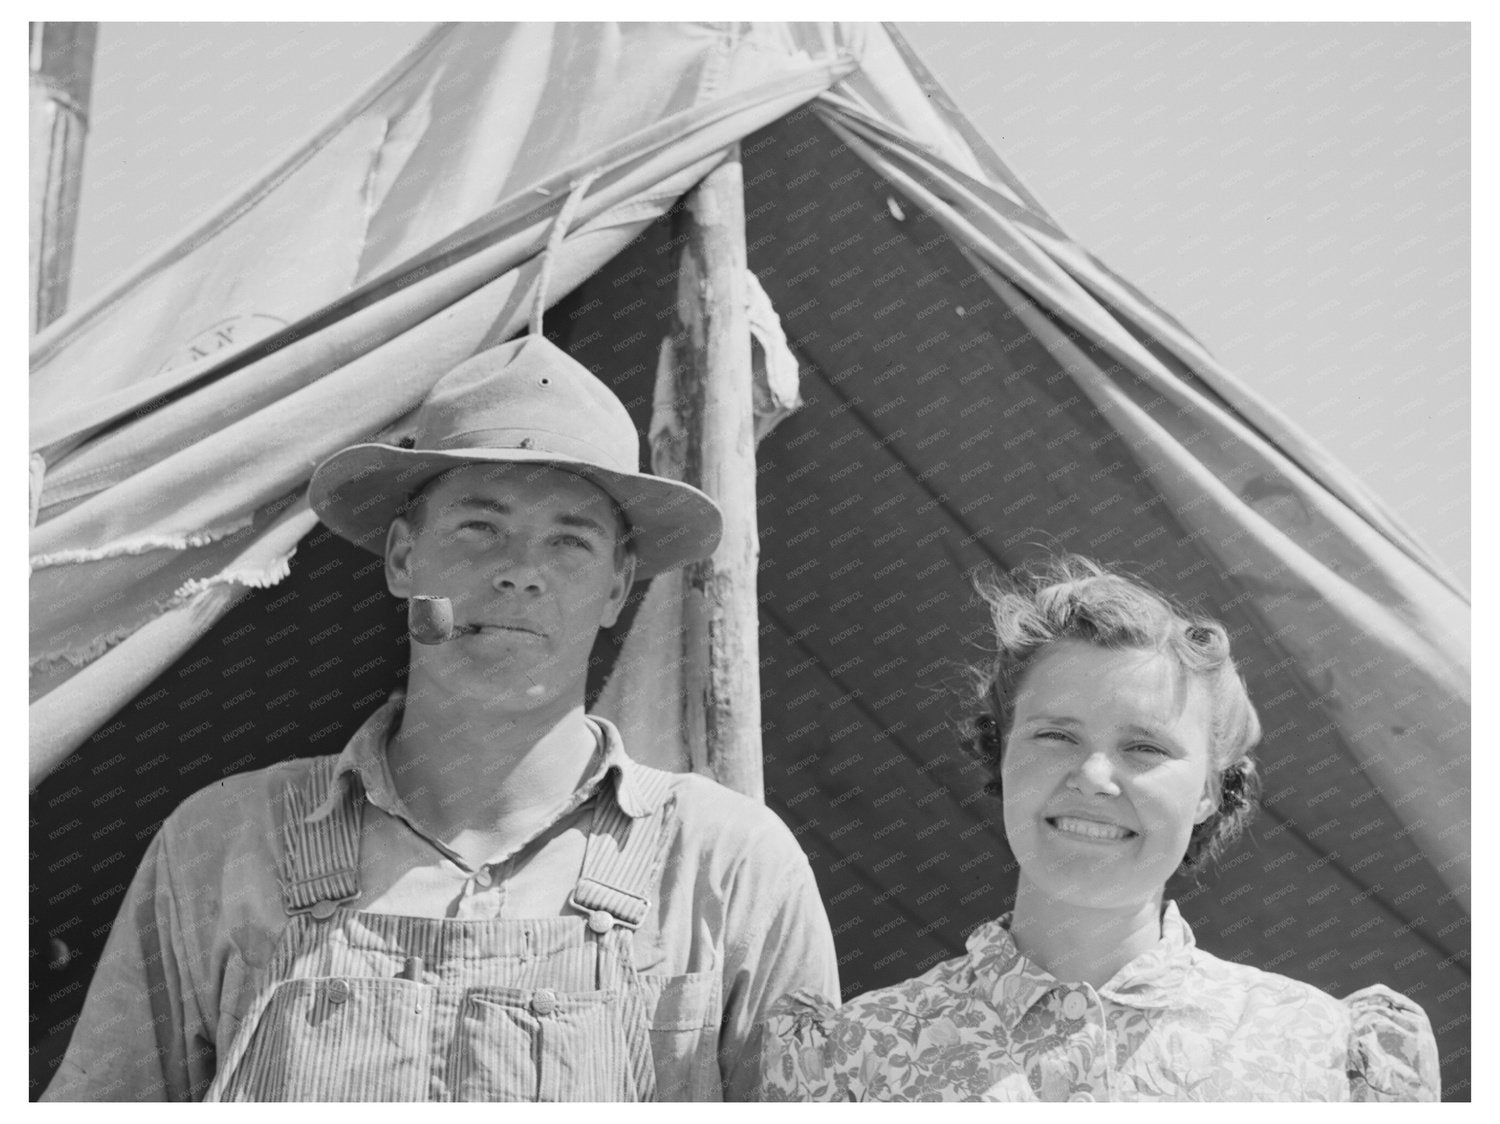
(795, 1050)
(1392, 1052)
(781, 945)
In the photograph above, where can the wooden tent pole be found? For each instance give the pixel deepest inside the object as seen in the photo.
(721, 650)
(62, 74)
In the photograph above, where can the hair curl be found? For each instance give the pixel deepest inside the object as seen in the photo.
(1069, 597)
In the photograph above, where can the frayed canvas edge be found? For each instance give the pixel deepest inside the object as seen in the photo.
(140, 546)
(82, 657)
(272, 572)
(252, 577)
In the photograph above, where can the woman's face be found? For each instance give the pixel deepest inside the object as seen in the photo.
(1106, 770)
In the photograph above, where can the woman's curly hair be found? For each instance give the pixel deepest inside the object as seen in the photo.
(1068, 597)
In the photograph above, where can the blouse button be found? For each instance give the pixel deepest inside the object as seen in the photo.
(483, 876)
(1074, 1005)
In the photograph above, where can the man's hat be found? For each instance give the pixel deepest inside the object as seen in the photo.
(524, 402)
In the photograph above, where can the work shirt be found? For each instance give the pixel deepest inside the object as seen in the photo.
(1174, 1024)
(736, 907)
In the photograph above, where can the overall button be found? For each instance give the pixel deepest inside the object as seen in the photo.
(323, 909)
(601, 921)
(544, 1003)
(1074, 1005)
(338, 991)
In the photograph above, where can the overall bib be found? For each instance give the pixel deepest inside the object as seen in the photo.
(372, 1006)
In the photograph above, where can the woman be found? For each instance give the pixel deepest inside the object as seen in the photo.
(1119, 740)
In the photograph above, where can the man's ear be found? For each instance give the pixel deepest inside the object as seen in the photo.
(399, 540)
(624, 579)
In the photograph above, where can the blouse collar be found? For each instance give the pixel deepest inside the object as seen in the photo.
(1015, 983)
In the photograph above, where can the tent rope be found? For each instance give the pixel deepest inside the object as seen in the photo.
(554, 243)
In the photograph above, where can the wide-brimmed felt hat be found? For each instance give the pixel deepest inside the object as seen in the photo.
(524, 402)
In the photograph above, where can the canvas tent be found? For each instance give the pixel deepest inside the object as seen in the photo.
(975, 387)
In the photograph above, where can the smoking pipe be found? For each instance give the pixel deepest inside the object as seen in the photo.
(429, 620)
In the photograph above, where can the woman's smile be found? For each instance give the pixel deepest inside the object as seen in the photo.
(1089, 831)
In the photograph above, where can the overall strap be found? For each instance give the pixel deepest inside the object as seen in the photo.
(619, 878)
(619, 873)
(320, 857)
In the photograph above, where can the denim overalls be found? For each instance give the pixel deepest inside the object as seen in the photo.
(373, 1006)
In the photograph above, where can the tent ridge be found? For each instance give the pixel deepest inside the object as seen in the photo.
(537, 200)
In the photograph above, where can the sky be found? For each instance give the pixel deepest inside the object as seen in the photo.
(1297, 194)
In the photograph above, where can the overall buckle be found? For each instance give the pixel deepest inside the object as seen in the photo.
(607, 907)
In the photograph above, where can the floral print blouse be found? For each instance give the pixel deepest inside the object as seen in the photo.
(1174, 1024)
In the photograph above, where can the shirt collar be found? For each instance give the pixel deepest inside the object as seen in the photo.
(364, 761)
(1015, 983)
(633, 793)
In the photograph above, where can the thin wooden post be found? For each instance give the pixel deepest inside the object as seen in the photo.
(721, 650)
(62, 73)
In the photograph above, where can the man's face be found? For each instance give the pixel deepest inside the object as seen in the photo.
(527, 555)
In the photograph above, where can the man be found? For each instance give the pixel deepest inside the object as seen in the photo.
(482, 897)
